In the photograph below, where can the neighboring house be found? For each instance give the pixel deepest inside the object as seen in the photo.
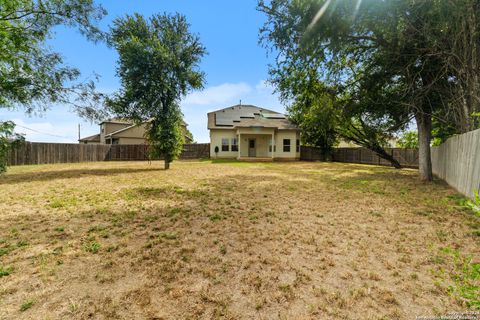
(118, 131)
(246, 131)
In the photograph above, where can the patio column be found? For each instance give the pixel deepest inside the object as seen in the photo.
(238, 144)
(273, 144)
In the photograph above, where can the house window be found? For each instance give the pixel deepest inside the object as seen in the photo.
(225, 145)
(297, 146)
(234, 144)
(286, 145)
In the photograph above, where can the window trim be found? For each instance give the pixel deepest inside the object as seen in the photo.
(225, 147)
(286, 146)
(234, 145)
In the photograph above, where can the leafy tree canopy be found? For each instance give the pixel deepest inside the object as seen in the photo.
(408, 139)
(158, 65)
(33, 76)
(388, 61)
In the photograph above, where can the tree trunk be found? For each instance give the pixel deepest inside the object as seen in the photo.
(375, 147)
(424, 126)
(384, 155)
(167, 163)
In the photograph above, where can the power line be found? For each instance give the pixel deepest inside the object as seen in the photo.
(48, 134)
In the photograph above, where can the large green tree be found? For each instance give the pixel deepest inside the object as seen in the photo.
(390, 58)
(158, 65)
(32, 76)
(325, 115)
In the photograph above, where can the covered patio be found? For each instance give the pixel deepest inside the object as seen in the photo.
(256, 144)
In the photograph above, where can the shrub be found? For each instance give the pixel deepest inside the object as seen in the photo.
(8, 140)
(474, 204)
(409, 139)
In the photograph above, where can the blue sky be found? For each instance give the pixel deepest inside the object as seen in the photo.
(236, 65)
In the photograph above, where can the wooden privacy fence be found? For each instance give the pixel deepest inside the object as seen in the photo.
(44, 153)
(457, 161)
(407, 157)
(311, 154)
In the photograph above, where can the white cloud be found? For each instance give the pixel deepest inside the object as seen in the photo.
(263, 85)
(218, 94)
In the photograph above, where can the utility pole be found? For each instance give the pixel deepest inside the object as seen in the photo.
(79, 131)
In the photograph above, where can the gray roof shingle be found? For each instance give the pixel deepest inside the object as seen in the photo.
(245, 116)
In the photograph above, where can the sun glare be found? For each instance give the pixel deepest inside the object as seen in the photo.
(324, 8)
(319, 14)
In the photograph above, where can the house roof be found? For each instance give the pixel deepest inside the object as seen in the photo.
(246, 116)
(133, 126)
(259, 121)
(94, 138)
(129, 126)
(129, 122)
(121, 130)
(116, 120)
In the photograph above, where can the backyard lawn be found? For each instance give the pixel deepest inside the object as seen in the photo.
(128, 240)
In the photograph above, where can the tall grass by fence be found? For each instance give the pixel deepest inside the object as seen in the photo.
(45, 153)
(457, 161)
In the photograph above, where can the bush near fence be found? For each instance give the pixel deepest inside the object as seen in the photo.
(45, 153)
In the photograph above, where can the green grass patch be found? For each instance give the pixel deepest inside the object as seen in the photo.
(216, 217)
(5, 271)
(22, 243)
(26, 305)
(91, 246)
(63, 202)
(474, 203)
(463, 277)
(4, 251)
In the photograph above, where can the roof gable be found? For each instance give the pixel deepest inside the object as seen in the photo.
(241, 116)
(94, 138)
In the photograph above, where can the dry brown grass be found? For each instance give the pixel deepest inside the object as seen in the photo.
(227, 240)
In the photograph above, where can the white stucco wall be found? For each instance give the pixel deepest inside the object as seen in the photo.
(293, 136)
(262, 141)
(216, 141)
